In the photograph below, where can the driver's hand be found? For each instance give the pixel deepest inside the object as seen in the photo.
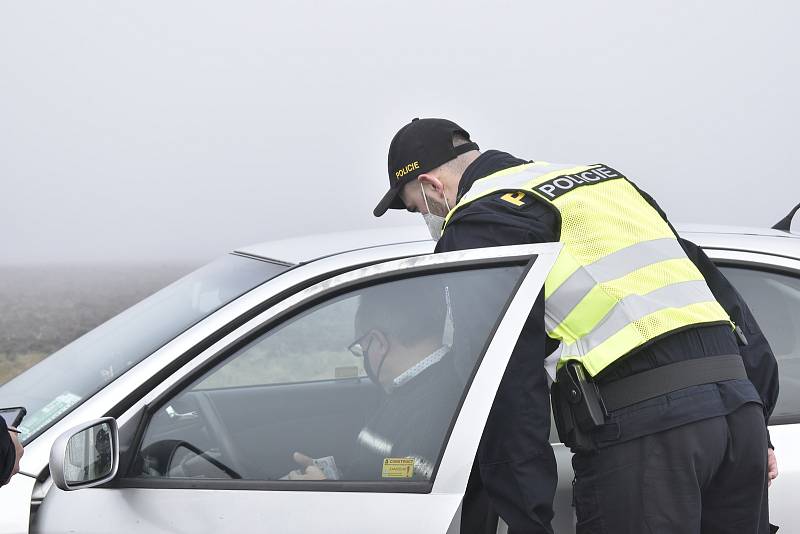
(307, 471)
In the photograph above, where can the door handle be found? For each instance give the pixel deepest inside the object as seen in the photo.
(180, 416)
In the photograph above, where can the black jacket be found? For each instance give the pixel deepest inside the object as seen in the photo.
(8, 455)
(411, 421)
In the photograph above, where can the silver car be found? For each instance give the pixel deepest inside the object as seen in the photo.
(184, 413)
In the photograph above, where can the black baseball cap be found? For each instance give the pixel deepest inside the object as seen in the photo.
(419, 147)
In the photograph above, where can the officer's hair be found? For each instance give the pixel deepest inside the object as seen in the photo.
(459, 140)
(458, 165)
(410, 310)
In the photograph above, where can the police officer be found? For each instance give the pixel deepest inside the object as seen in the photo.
(665, 380)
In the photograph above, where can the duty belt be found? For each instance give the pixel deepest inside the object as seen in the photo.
(668, 378)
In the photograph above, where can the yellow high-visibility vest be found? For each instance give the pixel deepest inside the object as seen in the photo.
(622, 278)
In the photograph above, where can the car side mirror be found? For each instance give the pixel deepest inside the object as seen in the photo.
(86, 455)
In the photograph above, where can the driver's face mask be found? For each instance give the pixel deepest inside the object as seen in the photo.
(434, 222)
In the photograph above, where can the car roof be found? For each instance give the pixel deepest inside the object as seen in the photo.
(307, 248)
(732, 229)
(304, 249)
(751, 239)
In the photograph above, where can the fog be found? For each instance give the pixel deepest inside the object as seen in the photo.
(170, 130)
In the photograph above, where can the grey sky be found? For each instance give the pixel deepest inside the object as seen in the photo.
(184, 129)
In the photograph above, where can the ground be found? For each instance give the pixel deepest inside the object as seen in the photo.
(44, 307)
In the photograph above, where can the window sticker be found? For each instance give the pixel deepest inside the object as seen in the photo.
(51, 411)
(398, 468)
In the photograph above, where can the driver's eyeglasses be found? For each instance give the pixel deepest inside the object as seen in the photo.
(360, 346)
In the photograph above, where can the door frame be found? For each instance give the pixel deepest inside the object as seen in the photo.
(453, 470)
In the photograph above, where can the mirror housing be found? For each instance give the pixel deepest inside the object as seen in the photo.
(86, 455)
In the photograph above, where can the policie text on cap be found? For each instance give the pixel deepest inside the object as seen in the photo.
(419, 147)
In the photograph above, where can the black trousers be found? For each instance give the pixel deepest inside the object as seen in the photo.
(705, 477)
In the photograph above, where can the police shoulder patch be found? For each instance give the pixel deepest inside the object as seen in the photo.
(517, 199)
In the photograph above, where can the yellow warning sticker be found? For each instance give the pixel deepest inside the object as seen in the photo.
(398, 468)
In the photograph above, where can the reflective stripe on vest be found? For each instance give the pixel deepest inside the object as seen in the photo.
(622, 279)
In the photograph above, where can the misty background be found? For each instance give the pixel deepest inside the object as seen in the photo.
(163, 134)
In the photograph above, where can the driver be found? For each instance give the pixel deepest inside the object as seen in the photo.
(405, 355)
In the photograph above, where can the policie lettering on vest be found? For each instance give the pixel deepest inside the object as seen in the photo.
(556, 187)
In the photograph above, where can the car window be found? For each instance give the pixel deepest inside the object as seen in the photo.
(363, 386)
(774, 299)
(57, 385)
(315, 348)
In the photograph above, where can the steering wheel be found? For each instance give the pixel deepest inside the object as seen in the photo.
(205, 456)
(219, 431)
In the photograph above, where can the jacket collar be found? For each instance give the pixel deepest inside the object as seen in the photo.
(487, 163)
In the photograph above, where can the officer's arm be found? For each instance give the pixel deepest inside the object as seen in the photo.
(498, 222)
(762, 368)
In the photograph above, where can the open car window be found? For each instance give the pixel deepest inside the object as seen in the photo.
(361, 386)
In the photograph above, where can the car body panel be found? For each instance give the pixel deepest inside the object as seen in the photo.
(317, 257)
(233, 510)
(16, 499)
(208, 511)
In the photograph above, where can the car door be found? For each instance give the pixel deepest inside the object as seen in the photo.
(354, 405)
(770, 285)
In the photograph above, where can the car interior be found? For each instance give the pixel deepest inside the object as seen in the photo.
(254, 430)
(297, 388)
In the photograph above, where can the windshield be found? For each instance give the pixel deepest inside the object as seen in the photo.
(52, 388)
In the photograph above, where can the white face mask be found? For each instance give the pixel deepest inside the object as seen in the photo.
(434, 222)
